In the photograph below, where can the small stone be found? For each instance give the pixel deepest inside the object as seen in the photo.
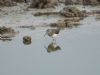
(27, 40)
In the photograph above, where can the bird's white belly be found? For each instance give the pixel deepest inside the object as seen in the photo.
(54, 35)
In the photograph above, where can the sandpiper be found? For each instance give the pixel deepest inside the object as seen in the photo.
(52, 32)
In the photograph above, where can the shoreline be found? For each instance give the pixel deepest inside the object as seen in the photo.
(22, 17)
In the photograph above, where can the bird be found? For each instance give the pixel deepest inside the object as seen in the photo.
(52, 32)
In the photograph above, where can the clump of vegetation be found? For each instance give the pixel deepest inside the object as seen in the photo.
(4, 30)
(29, 27)
(46, 13)
(27, 40)
(6, 33)
(67, 23)
(72, 12)
(7, 3)
(98, 17)
(43, 3)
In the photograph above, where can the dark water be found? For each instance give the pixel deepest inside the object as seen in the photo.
(78, 52)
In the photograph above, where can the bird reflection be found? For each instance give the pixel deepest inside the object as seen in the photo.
(52, 47)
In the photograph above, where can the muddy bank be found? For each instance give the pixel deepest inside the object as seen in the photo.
(7, 33)
(60, 17)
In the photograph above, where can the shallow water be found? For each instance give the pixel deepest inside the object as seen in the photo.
(78, 54)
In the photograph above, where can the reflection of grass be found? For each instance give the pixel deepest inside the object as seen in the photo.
(67, 23)
(29, 27)
(98, 17)
(45, 13)
(5, 39)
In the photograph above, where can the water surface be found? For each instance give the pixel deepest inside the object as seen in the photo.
(79, 54)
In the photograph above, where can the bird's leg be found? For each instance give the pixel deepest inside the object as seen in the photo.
(45, 34)
(54, 40)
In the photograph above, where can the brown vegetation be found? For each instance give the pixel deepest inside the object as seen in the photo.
(43, 3)
(6, 33)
